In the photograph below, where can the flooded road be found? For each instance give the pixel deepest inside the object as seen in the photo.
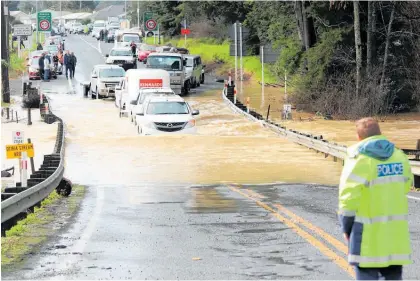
(177, 207)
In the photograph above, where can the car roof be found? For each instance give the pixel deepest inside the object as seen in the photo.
(166, 98)
(109, 66)
(156, 90)
(121, 49)
(166, 54)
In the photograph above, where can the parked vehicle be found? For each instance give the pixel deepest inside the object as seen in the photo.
(111, 35)
(144, 51)
(33, 69)
(194, 70)
(136, 79)
(166, 115)
(104, 79)
(97, 27)
(124, 39)
(122, 57)
(174, 63)
(136, 105)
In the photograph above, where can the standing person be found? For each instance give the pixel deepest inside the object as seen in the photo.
(101, 34)
(21, 42)
(106, 34)
(74, 62)
(47, 67)
(373, 206)
(67, 64)
(41, 66)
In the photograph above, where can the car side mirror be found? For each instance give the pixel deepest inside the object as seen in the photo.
(133, 102)
(204, 65)
(185, 62)
(195, 112)
(106, 55)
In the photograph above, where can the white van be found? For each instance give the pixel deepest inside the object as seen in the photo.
(194, 70)
(98, 25)
(136, 79)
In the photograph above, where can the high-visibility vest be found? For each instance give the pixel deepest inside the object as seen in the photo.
(373, 207)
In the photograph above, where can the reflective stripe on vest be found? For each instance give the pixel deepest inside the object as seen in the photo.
(347, 213)
(381, 180)
(360, 259)
(381, 219)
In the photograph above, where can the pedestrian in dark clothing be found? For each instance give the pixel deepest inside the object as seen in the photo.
(101, 35)
(74, 62)
(39, 47)
(106, 34)
(67, 58)
(41, 66)
(21, 43)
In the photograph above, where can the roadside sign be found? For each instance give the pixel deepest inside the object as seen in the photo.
(44, 21)
(150, 23)
(185, 31)
(151, 83)
(15, 150)
(287, 108)
(17, 137)
(22, 29)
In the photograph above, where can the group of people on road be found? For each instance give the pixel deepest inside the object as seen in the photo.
(70, 61)
(47, 64)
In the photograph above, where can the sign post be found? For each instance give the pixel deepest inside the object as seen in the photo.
(44, 21)
(262, 75)
(24, 171)
(150, 23)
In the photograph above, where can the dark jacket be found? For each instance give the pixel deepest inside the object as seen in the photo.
(41, 62)
(66, 59)
(73, 60)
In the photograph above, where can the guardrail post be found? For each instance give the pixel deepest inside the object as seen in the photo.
(31, 159)
(29, 117)
(24, 171)
(418, 148)
(268, 111)
(247, 104)
(11, 113)
(7, 113)
(234, 95)
(17, 118)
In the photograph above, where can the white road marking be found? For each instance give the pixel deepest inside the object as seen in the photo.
(99, 46)
(413, 197)
(93, 46)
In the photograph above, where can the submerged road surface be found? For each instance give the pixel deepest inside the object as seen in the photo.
(191, 207)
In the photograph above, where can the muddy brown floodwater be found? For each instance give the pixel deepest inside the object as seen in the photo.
(105, 149)
(402, 129)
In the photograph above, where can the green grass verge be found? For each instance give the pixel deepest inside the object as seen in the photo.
(29, 234)
(212, 51)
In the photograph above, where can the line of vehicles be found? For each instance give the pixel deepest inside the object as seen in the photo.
(150, 96)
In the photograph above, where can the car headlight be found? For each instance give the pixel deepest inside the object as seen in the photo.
(150, 125)
(190, 124)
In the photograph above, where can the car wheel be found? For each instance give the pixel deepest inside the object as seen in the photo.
(187, 87)
(90, 92)
(198, 84)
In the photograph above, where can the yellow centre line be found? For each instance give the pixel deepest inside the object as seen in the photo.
(330, 239)
(338, 260)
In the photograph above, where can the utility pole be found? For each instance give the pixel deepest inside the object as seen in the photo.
(125, 9)
(80, 6)
(262, 75)
(241, 60)
(37, 24)
(236, 53)
(4, 54)
(138, 14)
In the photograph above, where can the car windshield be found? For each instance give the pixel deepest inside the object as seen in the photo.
(121, 53)
(165, 62)
(159, 108)
(129, 38)
(148, 48)
(52, 48)
(111, 72)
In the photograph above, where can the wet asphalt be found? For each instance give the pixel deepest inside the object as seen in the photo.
(187, 231)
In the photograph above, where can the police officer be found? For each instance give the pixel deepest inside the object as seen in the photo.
(373, 205)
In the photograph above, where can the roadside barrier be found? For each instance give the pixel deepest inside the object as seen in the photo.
(314, 142)
(19, 200)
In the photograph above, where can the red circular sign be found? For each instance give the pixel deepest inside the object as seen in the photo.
(151, 24)
(44, 25)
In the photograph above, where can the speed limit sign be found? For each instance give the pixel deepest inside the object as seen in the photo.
(44, 25)
(151, 24)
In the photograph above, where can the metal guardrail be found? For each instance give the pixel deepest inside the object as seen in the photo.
(22, 201)
(336, 150)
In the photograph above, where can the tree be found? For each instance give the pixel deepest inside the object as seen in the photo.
(358, 46)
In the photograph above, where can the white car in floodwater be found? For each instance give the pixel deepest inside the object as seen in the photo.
(166, 115)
